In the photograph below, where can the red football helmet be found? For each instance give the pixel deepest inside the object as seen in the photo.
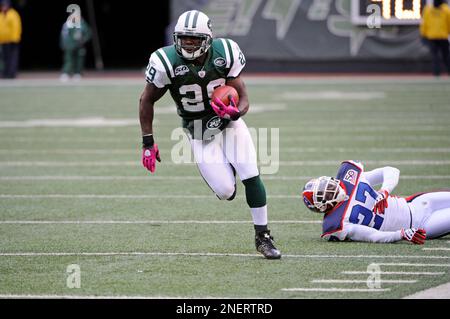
(323, 194)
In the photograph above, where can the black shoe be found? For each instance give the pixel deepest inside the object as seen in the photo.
(264, 244)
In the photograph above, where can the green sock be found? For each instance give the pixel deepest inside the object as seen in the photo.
(255, 192)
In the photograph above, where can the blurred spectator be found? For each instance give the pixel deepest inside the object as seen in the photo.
(435, 28)
(73, 40)
(10, 36)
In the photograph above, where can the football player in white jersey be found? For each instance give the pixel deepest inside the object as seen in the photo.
(355, 211)
(191, 69)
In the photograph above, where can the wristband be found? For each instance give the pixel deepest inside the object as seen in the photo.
(147, 140)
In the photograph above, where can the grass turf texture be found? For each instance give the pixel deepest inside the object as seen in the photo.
(385, 122)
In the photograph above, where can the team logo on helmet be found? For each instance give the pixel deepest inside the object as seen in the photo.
(220, 62)
(308, 193)
(181, 70)
(307, 199)
(214, 123)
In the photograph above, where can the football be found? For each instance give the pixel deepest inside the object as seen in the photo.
(222, 93)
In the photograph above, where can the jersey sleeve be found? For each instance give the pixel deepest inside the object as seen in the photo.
(156, 72)
(363, 233)
(339, 235)
(237, 58)
(387, 177)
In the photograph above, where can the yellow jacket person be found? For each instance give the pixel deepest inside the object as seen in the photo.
(10, 36)
(435, 29)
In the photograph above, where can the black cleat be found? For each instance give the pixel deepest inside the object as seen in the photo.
(264, 245)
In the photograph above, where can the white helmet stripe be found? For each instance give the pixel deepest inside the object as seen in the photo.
(186, 22)
(194, 22)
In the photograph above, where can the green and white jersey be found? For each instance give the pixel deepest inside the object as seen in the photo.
(191, 85)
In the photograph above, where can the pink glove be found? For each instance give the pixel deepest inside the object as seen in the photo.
(149, 157)
(229, 112)
(414, 235)
(381, 202)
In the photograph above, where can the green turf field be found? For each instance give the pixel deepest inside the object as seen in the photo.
(76, 193)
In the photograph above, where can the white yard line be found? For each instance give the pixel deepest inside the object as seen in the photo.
(64, 151)
(334, 289)
(329, 95)
(71, 151)
(360, 150)
(421, 177)
(167, 152)
(138, 222)
(93, 196)
(96, 178)
(175, 177)
(208, 254)
(119, 196)
(425, 273)
(282, 150)
(291, 139)
(139, 196)
(413, 265)
(100, 254)
(359, 128)
(439, 292)
(101, 122)
(345, 281)
(437, 249)
(366, 162)
(281, 163)
(71, 163)
(71, 122)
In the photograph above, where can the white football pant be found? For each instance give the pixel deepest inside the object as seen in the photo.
(431, 211)
(233, 146)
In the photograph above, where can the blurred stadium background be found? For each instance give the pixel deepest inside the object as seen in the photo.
(276, 35)
(73, 192)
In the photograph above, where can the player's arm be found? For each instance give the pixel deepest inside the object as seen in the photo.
(157, 84)
(150, 151)
(234, 79)
(357, 232)
(239, 85)
(388, 178)
(149, 96)
(158, 81)
(363, 233)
